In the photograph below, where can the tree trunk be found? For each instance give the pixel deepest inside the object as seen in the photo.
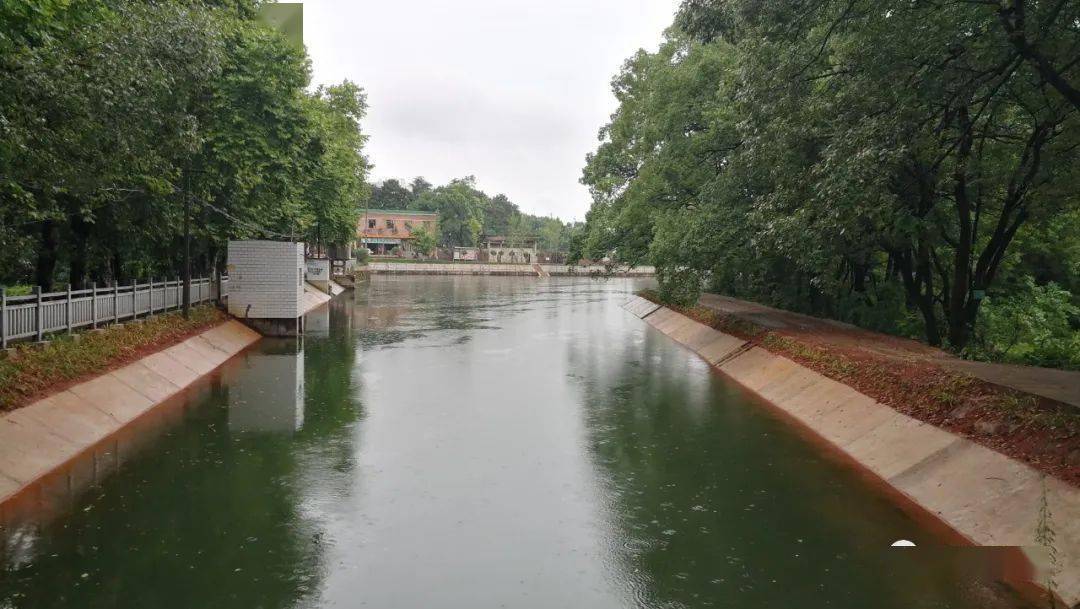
(919, 291)
(46, 258)
(80, 230)
(1013, 20)
(959, 329)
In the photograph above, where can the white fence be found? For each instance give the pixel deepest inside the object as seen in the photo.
(39, 314)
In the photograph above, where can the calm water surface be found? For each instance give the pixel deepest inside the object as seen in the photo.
(470, 442)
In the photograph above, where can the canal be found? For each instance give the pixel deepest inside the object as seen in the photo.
(474, 442)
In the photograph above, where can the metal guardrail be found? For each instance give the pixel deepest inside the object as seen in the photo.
(35, 315)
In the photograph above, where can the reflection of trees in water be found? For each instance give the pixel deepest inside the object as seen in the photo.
(714, 503)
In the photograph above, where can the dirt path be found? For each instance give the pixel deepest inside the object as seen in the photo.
(1058, 385)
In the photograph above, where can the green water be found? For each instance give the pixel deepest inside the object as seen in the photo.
(469, 442)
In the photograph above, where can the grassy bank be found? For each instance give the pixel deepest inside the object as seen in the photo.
(30, 371)
(1041, 432)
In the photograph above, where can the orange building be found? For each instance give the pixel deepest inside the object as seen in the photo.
(389, 232)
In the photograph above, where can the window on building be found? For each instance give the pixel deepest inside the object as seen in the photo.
(371, 223)
(390, 224)
(408, 225)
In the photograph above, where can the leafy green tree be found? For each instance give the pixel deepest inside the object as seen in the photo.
(419, 186)
(459, 209)
(115, 115)
(341, 169)
(424, 240)
(846, 158)
(390, 195)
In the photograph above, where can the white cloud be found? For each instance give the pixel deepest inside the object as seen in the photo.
(511, 92)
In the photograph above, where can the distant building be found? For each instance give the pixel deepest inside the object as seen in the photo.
(389, 232)
(505, 250)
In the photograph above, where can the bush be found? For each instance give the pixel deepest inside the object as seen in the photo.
(1034, 325)
(679, 286)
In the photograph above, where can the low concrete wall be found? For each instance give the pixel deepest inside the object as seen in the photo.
(988, 498)
(46, 435)
(462, 268)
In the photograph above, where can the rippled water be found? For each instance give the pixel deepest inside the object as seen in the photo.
(469, 442)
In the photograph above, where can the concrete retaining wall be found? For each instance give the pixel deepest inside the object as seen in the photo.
(433, 268)
(988, 498)
(46, 435)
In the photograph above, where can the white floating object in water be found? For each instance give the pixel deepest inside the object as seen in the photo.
(903, 543)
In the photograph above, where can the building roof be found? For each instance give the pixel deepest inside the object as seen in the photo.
(404, 212)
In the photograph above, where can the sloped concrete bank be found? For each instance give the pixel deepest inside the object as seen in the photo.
(44, 437)
(986, 497)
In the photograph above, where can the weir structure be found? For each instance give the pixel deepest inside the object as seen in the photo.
(981, 495)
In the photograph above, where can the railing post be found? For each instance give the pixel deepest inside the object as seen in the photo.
(177, 291)
(151, 301)
(3, 317)
(116, 300)
(93, 307)
(67, 309)
(38, 326)
(134, 299)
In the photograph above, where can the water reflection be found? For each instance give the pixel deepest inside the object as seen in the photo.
(266, 388)
(209, 514)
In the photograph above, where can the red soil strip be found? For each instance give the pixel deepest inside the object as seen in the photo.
(1040, 432)
(167, 335)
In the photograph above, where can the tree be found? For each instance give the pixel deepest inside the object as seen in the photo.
(338, 180)
(115, 114)
(423, 240)
(458, 206)
(816, 158)
(390, 195)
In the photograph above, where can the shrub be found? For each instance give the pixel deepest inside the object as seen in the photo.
(1035, 324)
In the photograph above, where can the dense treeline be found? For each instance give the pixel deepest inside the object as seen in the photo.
(114, 113)
(467, 213)
(913, 167)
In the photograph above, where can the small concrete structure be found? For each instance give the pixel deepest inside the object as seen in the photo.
(266, 285)
(466, 253)
(318, 273)
(502, 250)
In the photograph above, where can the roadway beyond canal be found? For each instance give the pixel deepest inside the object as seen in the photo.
(475, 442)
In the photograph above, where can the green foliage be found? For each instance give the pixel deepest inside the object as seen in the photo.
(459, 207)
(886, 163)
(466, 213)
(1034, 324)
(113, 113)
(424, 240)
(390, 195)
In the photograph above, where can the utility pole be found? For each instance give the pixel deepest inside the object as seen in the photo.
(187, 245)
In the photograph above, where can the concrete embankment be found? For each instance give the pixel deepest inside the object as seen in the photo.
(470, 268)
(986, 497)
(43, 437)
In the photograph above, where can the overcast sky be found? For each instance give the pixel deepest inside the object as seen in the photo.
(510, 91)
